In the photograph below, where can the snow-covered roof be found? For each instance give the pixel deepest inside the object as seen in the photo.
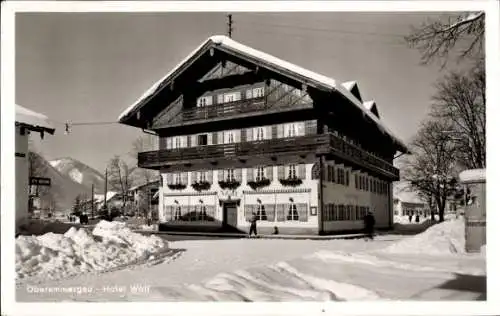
(473, 176)
(228, 44)
(349, 85)
(100, 197)
(31, 118)
(135, 187)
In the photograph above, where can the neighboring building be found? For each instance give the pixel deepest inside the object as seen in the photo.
(146, 198)
(26, 121)
(405, 208)
(243, 132)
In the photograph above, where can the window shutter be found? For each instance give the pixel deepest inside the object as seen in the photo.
(250, 174)
(302, 171)
(220, 137)
(301, 129)
(248, 212)
(249, 94)
(220, 176)
(220, 99)
(302, 210)
(281, 172)
(249, 134)
(243, 135)
(281, 132)
(347, 178)
(184, 178)
(210, 176)
(270, 212)
(214, 138)
(310, 127)
(237, 174)
(269, 173)
(169, 142)
(280, 212)
(188, 141)
(274, 132)
(169, 178)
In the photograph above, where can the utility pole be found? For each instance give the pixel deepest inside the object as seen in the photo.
(229, 25)
(92, 203)
(106, 191)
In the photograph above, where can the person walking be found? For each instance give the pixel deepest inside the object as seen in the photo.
(253, 225)
(369, 224)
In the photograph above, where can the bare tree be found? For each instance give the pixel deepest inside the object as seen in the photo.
(431, 169)
(437, 38)
(120, 178)
(460, 100)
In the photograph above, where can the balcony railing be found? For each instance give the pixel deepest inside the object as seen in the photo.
(302, 144)
(224, 109)
(318, 144)
(361, 156)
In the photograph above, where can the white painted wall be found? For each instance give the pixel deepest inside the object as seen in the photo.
(341, 194)
(22, 174)
(192, 197)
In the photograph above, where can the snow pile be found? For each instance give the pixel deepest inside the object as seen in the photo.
(445, 238)
(77, 251)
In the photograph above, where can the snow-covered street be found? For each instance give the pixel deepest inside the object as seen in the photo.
(282, 270)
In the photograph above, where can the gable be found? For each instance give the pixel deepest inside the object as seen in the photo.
(252, 58)
(372, 107)
(353, 88)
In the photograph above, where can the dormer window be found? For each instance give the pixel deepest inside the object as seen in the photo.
(229, 97)
(204, 101)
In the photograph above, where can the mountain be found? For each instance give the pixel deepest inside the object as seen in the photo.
(63, 189)
(79, 173)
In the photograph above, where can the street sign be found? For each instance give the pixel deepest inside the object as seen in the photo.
(40, 181)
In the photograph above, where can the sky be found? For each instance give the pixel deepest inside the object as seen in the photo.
(89, 67)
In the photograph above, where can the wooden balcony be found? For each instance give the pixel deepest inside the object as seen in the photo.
(270, 147)
(224, 110)
(328, 144)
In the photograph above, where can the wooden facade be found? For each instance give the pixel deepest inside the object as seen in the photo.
(240, 134)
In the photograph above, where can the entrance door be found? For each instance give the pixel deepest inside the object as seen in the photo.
(230, 216)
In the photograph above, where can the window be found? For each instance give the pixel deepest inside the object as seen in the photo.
(204, 101)
(293, 215)
(230, 175)
(177, 178)
(261, 213)
(258, 92)
(292, 171)
(176, 142)
(260, 173)
(291, 130)
(356, 182)
(202, 176)
(259, 133)
(231, 97)
(229, 137)
(202, 213)
(346, 178)
(177, 213)
(202, 140)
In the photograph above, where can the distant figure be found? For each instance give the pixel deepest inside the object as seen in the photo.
(253, 225)
(410, 215)
(369, 224)
(417, 218)
(276, 231)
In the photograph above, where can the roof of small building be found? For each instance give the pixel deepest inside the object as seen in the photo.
(33, 119)
(473, 176)
(228, 44)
